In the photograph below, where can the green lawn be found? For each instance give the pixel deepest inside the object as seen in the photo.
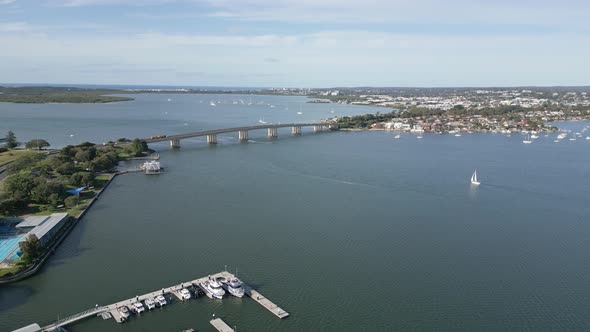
(7, 270)
(12, 155)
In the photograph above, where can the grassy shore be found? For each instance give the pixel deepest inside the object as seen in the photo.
(41, 95)
(12, 155)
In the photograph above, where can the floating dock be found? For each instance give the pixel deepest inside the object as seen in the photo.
(220, 325)
(112, 309)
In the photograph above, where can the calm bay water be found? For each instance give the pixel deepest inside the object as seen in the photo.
(347, 231)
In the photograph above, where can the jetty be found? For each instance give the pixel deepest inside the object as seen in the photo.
(220, 325)
(112, 310)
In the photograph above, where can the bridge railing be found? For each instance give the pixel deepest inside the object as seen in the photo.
(73, 318)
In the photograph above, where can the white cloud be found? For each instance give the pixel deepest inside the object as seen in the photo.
(14, 27)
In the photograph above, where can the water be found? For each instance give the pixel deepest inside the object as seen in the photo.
(347, 231)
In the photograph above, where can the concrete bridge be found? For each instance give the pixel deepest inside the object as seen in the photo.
(272, 131)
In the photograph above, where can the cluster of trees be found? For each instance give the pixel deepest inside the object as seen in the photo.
(40, 94)
(43, 179)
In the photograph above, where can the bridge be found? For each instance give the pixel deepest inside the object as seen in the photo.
(272, 132)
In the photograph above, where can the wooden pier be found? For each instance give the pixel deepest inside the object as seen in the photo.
(168, 292)
(220, 325)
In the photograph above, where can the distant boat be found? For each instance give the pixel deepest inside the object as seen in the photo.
(533, 136)
(212, 103)
(299, 113)
(419, 136)
(474, 179)
(457, 135)
(169, 99)
(588, 138)
(397, 136)
(527, 140)
(262, 120)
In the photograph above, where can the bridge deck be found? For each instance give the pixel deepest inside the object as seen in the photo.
(230, 130)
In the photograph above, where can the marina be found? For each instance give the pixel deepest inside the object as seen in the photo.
(119, 311)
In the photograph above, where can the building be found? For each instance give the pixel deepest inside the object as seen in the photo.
(44, 227)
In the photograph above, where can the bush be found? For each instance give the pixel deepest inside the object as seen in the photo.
(72, 201)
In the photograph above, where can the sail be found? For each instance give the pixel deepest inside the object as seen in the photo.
(474, 177)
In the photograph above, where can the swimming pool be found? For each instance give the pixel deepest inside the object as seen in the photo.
(8, 245)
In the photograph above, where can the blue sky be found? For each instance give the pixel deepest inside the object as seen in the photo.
(296, 43)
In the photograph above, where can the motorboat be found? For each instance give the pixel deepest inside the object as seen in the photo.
(213, 288)
(149, 303)
(397, 136)
(161, 300)
(457, 135)
(234, 287)
(138, 307)
(124, 311)
(185, 294)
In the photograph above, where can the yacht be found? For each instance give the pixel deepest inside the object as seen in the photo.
(138, 307)
(149, 303)
(419, 137)
(474, 179)
(234, 287)
(299, 113)
(527, 140)
(213, 288)
(533, 136)
(185, 294)
(161, 300)
(124, 311)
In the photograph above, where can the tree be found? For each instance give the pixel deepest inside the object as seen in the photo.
(37, 144)
(11, 142)
(66, 168)
(80, 179)
(19, 186)
(31, 248)
(138, 147)
(71, 201)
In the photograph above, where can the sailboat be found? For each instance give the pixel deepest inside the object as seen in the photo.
(474, 179)
(397, 136)
(527, 140)
(262, 120)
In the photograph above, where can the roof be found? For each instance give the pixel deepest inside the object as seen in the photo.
(76, 191)
(47, 225)
(29, 328)
(32, 221)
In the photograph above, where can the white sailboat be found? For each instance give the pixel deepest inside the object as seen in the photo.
(397, 136)
(262, 120)
(474, 179)
(527, 140)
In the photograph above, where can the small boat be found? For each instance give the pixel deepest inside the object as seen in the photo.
(299, 113)
(213, 288)
(262, 120)
(149, 303)
(234, 287)
(124, 311)
(169, 99)
(573, 138)
(397, 136)
(474, 179)
(533, 136)
(161, 300)
(588, 138)
(556, 141)
(212, 103)
(457, 135)
(527, 140)
(138, 307)
(419, 137)
(185, 294)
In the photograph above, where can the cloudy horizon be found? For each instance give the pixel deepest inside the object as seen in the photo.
(291, 43)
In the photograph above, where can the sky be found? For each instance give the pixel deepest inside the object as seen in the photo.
(296, 43)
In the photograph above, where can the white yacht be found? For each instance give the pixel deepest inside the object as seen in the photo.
(138, 307)
(123, 311)
(185, 294)
(474, 179)
(213, 288)
(527, 140)
(161, 300)
(149, 303)
(234, 287)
